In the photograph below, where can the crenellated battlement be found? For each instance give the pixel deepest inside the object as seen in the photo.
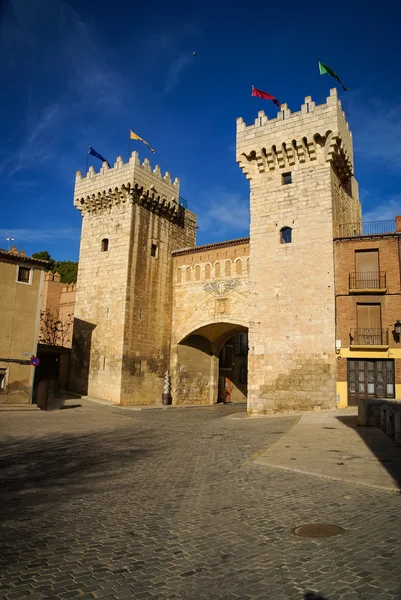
(132, 180)
(316, 132)
(121, 167)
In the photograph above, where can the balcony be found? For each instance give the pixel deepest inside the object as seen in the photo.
(368, 282)
(369, 337)
(367, 228)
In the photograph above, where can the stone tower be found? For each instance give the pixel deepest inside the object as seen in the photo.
(131, 223)
(300, 168)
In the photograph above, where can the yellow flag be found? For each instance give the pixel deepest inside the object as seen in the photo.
(134, 136)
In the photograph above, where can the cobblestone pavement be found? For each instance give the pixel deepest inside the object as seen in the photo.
(99, 502)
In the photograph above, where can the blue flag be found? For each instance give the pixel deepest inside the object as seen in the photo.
(99, 156)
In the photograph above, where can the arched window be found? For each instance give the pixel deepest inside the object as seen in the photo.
(105, 245)
(197, 273)
(286, 235)
(207, 272)
(217, 269)
(227, 268)
(188, 274)
(178, 275)
(238, 267)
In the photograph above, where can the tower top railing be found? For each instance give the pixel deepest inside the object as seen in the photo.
(368, 228)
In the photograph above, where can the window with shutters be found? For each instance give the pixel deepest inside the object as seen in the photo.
(367, 274)
(369, 329)
(24, 275)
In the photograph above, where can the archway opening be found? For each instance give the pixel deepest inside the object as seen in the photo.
(210, 365)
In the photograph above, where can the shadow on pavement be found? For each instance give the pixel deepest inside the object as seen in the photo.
(382, 446)
(39, 472)
(314, 596)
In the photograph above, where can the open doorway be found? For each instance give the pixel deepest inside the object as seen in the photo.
(233, 369)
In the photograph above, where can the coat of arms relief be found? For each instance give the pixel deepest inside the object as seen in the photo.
(220, 290)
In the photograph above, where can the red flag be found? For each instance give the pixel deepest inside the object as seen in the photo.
(265, 96)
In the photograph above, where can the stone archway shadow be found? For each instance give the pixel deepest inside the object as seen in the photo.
(195, 362)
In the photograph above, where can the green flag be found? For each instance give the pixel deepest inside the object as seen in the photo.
(325, 69)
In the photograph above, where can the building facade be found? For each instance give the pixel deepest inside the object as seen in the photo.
(368, 306)
(131, 224)
(255, 318)
(21, 280)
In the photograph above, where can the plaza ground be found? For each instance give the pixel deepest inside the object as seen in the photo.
(102, 502)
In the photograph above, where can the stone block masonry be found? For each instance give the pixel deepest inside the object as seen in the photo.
(132, 221)
(300, 168)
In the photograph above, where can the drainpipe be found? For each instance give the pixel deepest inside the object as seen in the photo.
(399, 255)
(398, 230)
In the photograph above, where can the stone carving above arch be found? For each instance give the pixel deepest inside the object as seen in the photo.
(221, 289)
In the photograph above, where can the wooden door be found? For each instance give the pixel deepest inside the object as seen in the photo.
(370, 379)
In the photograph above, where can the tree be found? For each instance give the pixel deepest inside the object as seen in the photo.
(53, 331)
(44, 255)
(67, 269)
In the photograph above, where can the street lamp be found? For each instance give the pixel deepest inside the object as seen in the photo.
(9, 240)
(397, 328)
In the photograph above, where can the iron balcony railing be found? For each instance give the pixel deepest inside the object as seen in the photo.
(369, 336)
(371, 280)
(367, 228)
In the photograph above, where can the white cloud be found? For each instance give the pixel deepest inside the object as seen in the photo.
(377, 130)
(38, 235)
(227, 214)
(175, 71)
(91, 85)
(386, 210)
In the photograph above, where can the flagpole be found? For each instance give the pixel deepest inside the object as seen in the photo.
(250, 106)
(320, 83)
(129, 144)
(87, 158)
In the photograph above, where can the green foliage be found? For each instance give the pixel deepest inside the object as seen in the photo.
(67, 269)
(44, 255)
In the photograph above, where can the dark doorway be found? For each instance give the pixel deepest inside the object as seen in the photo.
(370, 379)
(233, 369)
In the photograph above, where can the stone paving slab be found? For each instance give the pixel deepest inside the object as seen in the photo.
(166, 505)
(331, 444)
(23, 407)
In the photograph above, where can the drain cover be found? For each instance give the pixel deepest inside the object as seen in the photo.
(318, 530)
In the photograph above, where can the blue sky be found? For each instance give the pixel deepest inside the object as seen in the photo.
(79, 72)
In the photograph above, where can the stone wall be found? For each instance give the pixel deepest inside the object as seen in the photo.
(210, 304)
(148, 320)
(58, 299)
(124, 292)
(292, 362)
(210, 285)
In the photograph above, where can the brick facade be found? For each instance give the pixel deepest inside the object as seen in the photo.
(389, 299)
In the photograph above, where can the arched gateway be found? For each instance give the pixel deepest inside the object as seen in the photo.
(210, 323)
(210, 365)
